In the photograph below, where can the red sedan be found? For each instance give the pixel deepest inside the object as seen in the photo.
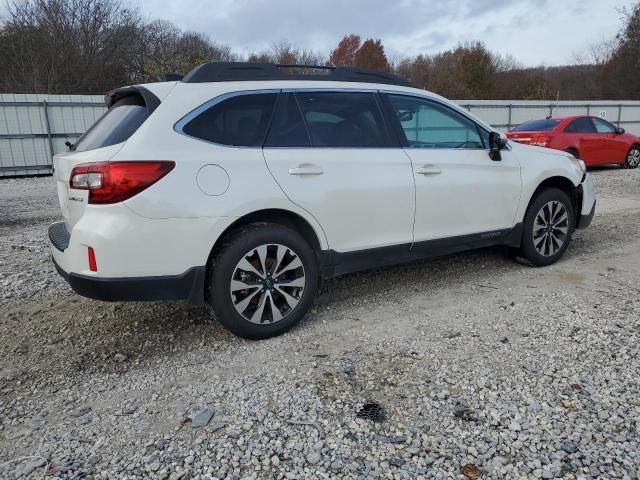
(592, 139)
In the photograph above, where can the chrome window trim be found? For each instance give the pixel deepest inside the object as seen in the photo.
(180, 124)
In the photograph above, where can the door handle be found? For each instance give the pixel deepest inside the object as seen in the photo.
(428, 170)
(306, 169)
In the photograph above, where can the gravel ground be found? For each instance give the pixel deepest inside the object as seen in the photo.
(484, 368)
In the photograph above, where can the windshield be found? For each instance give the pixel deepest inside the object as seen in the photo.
(545, 125)
(116, 125)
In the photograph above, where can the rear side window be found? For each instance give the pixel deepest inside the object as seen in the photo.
(240, 121)
(288, 128)
(343, 119)
(581, 125)
(538, 125)
(116, 125)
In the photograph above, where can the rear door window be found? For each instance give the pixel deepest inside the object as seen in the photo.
(116, 126)
(240, 121)
(581, 125)
(343, 119)
(288, 128)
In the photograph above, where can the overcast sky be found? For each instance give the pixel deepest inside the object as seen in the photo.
(536, 32)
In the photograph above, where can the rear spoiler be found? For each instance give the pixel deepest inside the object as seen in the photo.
(150, 100)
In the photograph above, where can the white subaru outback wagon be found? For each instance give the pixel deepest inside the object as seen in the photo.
(243, 185)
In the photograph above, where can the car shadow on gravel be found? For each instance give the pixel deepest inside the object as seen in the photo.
(81, 335)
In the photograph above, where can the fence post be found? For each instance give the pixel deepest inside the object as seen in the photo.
(619, 114)
(588, 109)
(48, 125)
(551, 109)
(509, 121)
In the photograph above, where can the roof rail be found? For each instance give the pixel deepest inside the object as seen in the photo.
(246, 71)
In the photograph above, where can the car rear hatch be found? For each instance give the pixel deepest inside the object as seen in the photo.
(535, 132)
(128, 108)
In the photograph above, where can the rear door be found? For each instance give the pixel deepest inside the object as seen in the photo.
(585, 136)
(332, 154)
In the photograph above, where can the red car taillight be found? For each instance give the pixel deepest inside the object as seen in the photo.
(541, 141)
(113, 182)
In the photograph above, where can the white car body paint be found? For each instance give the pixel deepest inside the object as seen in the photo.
(364, 198)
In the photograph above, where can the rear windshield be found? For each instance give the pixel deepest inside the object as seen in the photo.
(116, 125)
(537, 125)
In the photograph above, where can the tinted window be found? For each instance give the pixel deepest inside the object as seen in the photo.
(545, 125)
(581, 125)
(603, 127)
(116, 125)
(287, 128)
(240, 121)
(429, 125)
(341, 119)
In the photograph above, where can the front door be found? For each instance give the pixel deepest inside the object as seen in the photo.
(459, 189)
(611, 147)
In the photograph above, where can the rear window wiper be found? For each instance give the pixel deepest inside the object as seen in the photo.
(70, 146)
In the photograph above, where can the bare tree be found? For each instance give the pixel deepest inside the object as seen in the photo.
(283, 52)
(164, 48)
(67, 46)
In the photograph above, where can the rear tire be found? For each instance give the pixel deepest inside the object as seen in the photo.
(632, 159)
(548, 226)
(280, 272)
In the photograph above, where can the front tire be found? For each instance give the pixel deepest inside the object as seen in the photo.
(548, 226)
(633, 157)
(262, 280)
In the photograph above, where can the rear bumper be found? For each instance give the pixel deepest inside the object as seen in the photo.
(187, 286)
(137, 259)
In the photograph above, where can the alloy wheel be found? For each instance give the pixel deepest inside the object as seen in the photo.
(633, 158)
(550, 228)
(267, 283)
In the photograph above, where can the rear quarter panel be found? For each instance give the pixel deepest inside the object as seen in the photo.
(251, 186)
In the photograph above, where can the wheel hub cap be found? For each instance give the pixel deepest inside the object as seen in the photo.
(267, 283)
(550, 228)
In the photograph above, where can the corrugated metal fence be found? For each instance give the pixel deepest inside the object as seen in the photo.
(33, 128)
(506, 114)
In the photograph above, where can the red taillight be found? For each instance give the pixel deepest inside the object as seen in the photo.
(541, 141)
(113, 182)
(93, 266)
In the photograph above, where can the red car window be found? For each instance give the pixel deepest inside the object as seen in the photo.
(603, 126)
(581, 125)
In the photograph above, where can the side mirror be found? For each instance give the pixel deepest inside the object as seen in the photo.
(620, 131)
(405, 115)
(496, 143)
